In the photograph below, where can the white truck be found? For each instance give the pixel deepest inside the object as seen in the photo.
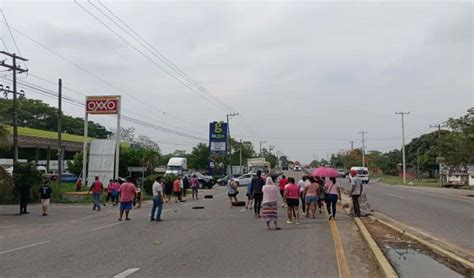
(259, 163)
(177, 166)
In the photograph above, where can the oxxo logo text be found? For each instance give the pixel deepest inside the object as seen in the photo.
(102, 106)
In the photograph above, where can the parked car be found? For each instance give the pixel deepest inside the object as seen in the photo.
(204, 181)
(246, 179)
(223, 181)
(68, 177)
(341, 173)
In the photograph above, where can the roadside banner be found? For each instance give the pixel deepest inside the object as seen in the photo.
(218, 138)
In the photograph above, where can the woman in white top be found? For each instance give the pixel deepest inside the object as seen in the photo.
(333, 193)
(269, 203)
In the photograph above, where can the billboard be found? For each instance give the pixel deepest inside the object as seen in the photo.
(217, 137)
(102, 104)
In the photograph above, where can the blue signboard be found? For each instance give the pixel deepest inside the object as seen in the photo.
(217, 137)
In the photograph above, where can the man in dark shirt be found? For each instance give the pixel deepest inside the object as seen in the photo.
(257, 185)
(45, 192)
(25, 191)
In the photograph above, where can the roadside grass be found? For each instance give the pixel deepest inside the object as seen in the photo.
(395, 180)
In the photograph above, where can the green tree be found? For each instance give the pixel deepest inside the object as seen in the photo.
(4, 137)
(199, 157)
(247, 151)
(37, 114)
(457, 147)
(75, 165)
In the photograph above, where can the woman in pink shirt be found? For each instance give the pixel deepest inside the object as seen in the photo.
(333, 193)
(311, 192)
(269, 203)
(292, 196)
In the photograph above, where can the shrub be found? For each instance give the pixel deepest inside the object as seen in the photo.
(26, 175)
(7, 187)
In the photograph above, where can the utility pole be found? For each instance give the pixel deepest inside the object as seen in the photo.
(15, 69)
(418, 164)
(363, 147)
(352, 145)
(240, 161)
(439, 159)
(229, 148)
(261, 142)
(403, 145)
(60, 143)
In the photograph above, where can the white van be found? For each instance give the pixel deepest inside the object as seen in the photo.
(362, 173)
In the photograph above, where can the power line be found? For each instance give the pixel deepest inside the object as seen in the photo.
(127, 110)
(145, 55)
(126, 118)
(11, 34)
(111, 85)
(158, 54)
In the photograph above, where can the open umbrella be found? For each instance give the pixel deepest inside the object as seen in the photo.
(325, 172)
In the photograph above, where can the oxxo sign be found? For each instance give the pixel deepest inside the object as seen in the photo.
(102, 104)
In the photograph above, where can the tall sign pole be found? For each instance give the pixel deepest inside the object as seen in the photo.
(102, 105)
(117, 138)
(84, 149)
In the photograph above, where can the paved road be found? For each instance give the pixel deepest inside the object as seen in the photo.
(217, 241)
(445, 213)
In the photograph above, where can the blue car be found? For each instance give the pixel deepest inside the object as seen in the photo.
(68, 177)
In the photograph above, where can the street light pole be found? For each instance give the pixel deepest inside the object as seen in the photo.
(403, 146)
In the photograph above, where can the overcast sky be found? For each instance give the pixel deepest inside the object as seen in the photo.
(305, 76)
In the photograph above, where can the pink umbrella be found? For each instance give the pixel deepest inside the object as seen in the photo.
(325, 172)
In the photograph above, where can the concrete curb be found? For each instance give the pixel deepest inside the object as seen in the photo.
(385, 267)
(443, 252)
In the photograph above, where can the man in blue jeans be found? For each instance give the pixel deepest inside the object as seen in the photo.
(97, 187)
(157, 190)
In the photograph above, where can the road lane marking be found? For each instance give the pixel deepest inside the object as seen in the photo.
(106, 226)
(24, 247)
(220, 194)
(396, 196)
(166, 210)
(188, 204)
(442, 196)
(126, 273)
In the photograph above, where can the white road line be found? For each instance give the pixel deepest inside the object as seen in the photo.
(126, 273)
(188, 204)
(166, 210)
(396, 196)
(442, 196)
(106, 226)
(24, 247)
(220, 194)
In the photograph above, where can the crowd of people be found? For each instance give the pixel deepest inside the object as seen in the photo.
(263, 196)
(309, 193)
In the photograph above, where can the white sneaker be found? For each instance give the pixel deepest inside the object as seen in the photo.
(289, 222)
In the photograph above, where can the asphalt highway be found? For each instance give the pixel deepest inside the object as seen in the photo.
(447, 214)
(217, 241)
